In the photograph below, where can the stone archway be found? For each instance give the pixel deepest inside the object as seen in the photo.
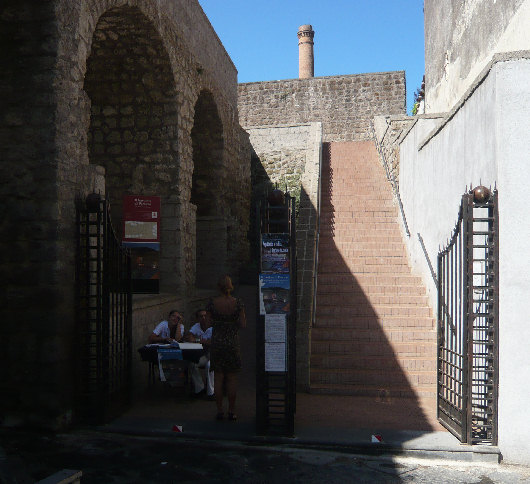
(206, 192)
(133, 126)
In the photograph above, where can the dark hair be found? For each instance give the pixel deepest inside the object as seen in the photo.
(199, 311)
(225, 284)
(173, 311)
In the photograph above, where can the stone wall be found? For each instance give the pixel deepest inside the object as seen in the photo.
(102, 96)
(344, 105)
(290, 156)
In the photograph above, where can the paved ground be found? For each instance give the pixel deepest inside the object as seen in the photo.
(105, 458)
(332, 442)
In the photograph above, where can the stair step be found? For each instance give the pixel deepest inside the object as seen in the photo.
(360, 240)
(344, 220)
(400, 349)
(367, 225)
(352, 203)
(367, 291)
(374, 391)
(355, 268)
(376, 324)
(375, 247)
(381, 378)
(361, 254)
(365, 257)
(366, 279)
(341, 312)
(371, 363)
(371, 229)
(357, 335)
(375, 301)
(351, 200)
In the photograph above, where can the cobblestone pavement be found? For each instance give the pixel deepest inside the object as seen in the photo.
(113, 458)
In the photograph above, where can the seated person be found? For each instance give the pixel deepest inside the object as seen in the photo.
(168, 331)
(201, 332)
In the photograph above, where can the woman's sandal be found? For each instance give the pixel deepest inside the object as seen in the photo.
(232, 416)
(220, 416)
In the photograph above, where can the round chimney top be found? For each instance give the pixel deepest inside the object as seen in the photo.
(306, 31)
(305, 51)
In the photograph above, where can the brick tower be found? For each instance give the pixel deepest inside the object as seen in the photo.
(306, 61)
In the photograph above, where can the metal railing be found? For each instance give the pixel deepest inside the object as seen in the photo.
(104, 316)
(468, 323)
(391, 178)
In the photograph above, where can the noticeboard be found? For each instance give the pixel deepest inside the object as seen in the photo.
(274, 294)
(275, 256)
(141, 234)
(141, 218)
(274, 298)
(275, 342)
(276, 318)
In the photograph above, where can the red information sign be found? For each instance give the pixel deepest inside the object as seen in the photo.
(141, 218)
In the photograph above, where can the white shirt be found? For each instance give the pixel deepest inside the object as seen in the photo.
(197, 331)
(162, 330)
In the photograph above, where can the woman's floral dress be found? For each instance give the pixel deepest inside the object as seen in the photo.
(225, 354)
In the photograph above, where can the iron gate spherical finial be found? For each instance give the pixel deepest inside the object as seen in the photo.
(481, 194)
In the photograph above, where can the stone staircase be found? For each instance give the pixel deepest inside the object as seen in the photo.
(374, 332)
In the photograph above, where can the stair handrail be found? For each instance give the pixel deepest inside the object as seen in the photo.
(428, 259)
(317, 235)
(390, 177)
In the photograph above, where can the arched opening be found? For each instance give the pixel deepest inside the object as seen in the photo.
(133, 119)
(206, 191)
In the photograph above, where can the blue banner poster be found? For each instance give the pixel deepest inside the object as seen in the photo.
(274, 293)
(275, 253)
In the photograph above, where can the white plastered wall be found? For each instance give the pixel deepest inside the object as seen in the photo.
(485, 139)
(457, 79)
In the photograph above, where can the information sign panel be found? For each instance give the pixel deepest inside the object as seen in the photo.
(275, 342)
(141, 218)
(274, 293)
(275, 255)
(141, 234)
(275, 328)
(275, 357)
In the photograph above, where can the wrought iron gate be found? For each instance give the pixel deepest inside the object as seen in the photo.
(104, 315)
(276, 390)
(468, 322)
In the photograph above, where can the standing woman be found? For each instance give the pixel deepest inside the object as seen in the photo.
(228, 315)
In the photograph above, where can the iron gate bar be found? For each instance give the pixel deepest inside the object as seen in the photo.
(450, 352)
(468, 324)
(468, 305)
(104, 316)
(494, 213)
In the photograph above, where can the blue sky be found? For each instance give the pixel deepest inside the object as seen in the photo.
(351, 37)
